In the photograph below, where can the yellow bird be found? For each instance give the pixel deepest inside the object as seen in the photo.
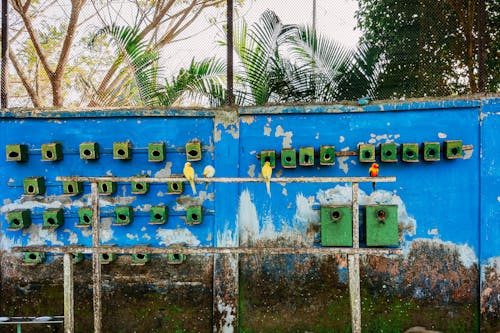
(189, 174)
(208, 172)
(267, 171)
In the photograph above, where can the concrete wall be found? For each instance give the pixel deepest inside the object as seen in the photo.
(446, 278)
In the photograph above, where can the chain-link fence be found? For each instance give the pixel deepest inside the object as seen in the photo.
(101, 53)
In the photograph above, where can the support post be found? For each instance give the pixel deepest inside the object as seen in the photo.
(96, 264)
(354, 284)
(69, 318)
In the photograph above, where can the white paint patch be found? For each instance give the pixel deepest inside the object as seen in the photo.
(468, 154)
(143, 229)
(498, 198)
(217, 135)
(228, 313)
(251, 170)
(493, 263)
(305, 214)
(466, 254)
(433, 232)
(132, 236)
(247, 219)
(227, 238)
(39, 236)
(72, 237)
(317, 136)
(342, 161)
(383, 138)
(165, 172)
(109, 173)
(341, 139)
(267, 130)
(107, 232)
(6, 244)
(146, 237)
(18, 204)
(287, 136)
(442, 135)
(284, 191)
(169, 237)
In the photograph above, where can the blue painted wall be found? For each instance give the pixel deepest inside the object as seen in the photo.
(452, 203)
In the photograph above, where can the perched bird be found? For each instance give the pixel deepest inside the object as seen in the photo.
(189, 174)
(208, 172)
(267, 171)
(373, 173)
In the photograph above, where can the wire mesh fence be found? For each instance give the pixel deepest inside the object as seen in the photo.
(101, 53)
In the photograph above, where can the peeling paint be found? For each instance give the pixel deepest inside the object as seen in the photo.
(341, 139)
(287, 136)
(185, 201)
(433, 232)
(39, 236)
(342, 161)
(468, 153)
(251, 170)
(132, 236)
(227, 238)
(284, 191)
(247, 219)
(267, 130)
(383, 138)
(229, 314)
(442, 135)
(72, 236)
(247, 119)
(107, 233)
(169, 237)
(165, 172)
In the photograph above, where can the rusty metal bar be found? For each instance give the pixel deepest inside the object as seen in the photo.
(355, 292)
(355, 215)
(96, 264)
(5, 47)
(69, 317)
(353, 259)
(209, 250)
(234, 179)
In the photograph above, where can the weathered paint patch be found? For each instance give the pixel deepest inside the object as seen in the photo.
(72, 236)
(342, 161)
(490, 289)
(166, 171)
(185, 201)
(39, 236)
(287, 136)
(247, 219)
(251, 170)
(384, 138)
(228, 312)
(341, 139)
(107, 233)
(468, 153)
(247, 119)
(442, 135)
(267, 130)
(176, 236)
(227, 238)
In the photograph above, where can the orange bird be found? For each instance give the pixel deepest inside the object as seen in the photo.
(373, 173)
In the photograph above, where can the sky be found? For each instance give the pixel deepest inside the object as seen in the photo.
(335, 18)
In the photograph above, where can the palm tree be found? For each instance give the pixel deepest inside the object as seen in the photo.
(137, 81)
(290, 63)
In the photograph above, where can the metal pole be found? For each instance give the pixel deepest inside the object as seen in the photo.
(314, 16)
(5, 47)
(481, 57)
(96, 264)
(69, 317)
(353, 259)
(229, 49)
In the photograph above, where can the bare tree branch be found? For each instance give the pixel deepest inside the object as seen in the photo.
(35, 99)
